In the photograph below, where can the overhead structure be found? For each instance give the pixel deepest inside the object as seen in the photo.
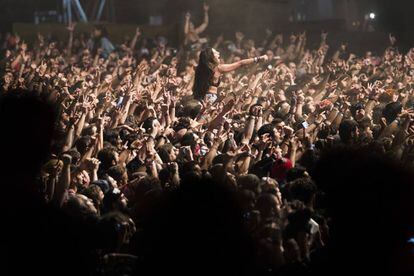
(77, 8)
(100, 7)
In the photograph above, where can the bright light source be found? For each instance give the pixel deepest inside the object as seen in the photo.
(372, 15)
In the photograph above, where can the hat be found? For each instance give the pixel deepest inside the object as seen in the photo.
(103, 184)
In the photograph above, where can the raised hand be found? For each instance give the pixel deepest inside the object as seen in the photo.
(93, 164)
(392, 39)
(71, 27)
(205, 7)
(66, 159)
(264, 58)
(138, 32)
(324, 35)
(187, 16)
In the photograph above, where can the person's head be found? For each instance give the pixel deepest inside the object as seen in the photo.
(270, 54)
(114, 200)
(191, 166)
(246, 199)
(167, 153)
(80, 206)
(80, 179)
(112, 136)
(250, 182)
(190, 110)
(115, 229)
(94, 192)
(100, 31)
(108, 158)
(357, 111)
(268, 206)
(348, 131)
(83, 144)
(270, 185)
(152, 126)
(208, 138)
(297, 172)
(76, 156)
(118, 173)
(365, 125)
(303, 189)
(209, 57)
(267, 129)
(279, 124)
(391, 111)
(292, 66)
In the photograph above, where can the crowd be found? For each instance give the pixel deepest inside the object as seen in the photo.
(299, 165)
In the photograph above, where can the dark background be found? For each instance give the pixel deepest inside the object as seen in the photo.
(391, 14)
(250, 16)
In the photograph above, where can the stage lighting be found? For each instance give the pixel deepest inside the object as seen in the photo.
(372, 15)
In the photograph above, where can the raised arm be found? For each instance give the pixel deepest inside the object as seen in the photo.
(187, 23)
(203, 25)
(64, 181)
(70, 28)
(135, 39)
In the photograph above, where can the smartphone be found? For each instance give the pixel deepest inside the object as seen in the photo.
(120, 101)
(305, 125)
(203, 150)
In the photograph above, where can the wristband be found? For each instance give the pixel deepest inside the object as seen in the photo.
(256, 60)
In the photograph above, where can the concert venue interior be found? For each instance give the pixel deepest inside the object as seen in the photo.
(216, 137)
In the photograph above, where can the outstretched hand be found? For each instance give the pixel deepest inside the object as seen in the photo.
(264, 58)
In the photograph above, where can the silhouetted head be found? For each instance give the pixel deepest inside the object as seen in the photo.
(348, 131)
(27, 124)
(197, 229)
(369, 202)
(391, 111)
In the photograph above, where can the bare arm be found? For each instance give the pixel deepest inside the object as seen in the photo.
(248, 131)
(204, 25)
(70, 28)
(224, 68)
(244, 168)
(187, 23)
(208, 160)
(69, 139)
(80, 125)
(125, 109)
(135, 39)
(64, 181)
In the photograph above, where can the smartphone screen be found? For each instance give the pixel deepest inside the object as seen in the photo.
(120, 100)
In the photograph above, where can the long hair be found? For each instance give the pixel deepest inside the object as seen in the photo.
(204, 73)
